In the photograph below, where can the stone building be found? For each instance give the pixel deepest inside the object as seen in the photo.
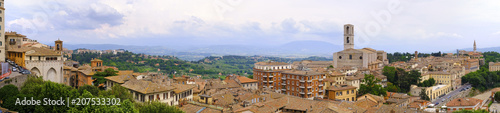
(350, 57)
(494, 66)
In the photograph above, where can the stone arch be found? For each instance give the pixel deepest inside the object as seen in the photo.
(35, 71)
(51, 74)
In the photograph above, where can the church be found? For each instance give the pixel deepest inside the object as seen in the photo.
(360, 58)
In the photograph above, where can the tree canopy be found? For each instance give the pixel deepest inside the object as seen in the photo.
(401, 78)
(371, 86)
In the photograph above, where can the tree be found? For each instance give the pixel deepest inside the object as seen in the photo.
(427, 83)
(8, 91)
(391, 87)
(423, 95)
(390, 72)
(92, 89)
(99, 76)
(371, 86)
(250, 76)
(497, 96)
(118, 92)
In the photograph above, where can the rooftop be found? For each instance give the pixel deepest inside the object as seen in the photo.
(146, 87)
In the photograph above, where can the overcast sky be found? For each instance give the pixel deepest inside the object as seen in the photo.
(390, 25)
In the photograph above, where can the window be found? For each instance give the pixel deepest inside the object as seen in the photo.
(350, 57)
(360, 57)
(347, 40)
(340, 57)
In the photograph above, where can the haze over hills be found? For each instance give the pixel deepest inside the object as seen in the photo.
(298, 49)
(295, 49)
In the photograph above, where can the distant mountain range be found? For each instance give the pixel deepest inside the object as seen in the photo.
(294, 49)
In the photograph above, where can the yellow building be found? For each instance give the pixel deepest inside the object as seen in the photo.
(338, 77)
(441, 78)
(433, 92)
(341, 92)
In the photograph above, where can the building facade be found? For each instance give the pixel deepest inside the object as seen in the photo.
(350, 57)
(305, 84)
(2, 32)
(341, 92)
(494, 66)
(268, 74)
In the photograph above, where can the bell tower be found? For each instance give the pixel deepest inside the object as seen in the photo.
(2, 32)
(475, 46)
(58, 46)
(348, 36)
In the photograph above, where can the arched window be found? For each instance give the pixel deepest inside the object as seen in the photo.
(340, 57)
(350, 56)
(347, 30)
(360, 57)
(347, 39)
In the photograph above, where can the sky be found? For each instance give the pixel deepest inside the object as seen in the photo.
(390, 25)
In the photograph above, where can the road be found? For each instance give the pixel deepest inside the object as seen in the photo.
(451, 94)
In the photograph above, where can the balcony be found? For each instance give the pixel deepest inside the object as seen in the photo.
(270, 76)
(271, 86)
(309, 93)
(283, 84)
(302, 81)
(320, 85)
(321, 90)
(309, 87)
(302, 93)
(321, 79)
(302, 87)
(283, 89)
(264, 81)
(283, 78)
(270, 81)
(310, 81)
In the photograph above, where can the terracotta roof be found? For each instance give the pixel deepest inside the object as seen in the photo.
(331, 80)
(146, 87)
(302, 73)
(463, 102)
(35, 51)
(340, 87)
(438, 72)
(190, 108)
(243, 79)
(179, 88)
(397, 95)
(271, 63)
(120, 78)
(14, 34)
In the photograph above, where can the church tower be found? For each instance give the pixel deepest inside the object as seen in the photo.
(2, 32)
(475, 46)
(58, 46)
(348, 36)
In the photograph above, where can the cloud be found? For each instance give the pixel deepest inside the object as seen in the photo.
(214, 22)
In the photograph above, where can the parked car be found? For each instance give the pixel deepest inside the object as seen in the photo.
(7, 77)
(14, 69)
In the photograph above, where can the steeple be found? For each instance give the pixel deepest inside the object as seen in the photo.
(348, 36)
(475, 46)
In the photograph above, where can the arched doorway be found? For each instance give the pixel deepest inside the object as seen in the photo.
(35, 71)
(51, 75)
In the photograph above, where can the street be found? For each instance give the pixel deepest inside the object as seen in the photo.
(451, 94)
